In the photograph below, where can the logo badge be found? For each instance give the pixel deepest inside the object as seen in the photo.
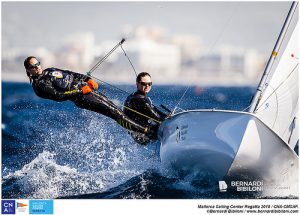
(8, 207)
(57, 74)
(40, 206)
(222, 186)
(22, 206)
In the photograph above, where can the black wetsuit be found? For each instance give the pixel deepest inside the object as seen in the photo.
(142, 104)
(62, 85)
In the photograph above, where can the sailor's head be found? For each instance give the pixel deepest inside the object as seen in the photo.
(143, 82)
(33, 66)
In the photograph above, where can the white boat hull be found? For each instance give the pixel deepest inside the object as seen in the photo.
(229, 145)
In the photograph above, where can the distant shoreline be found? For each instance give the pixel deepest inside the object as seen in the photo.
(182, 81)
(159, 84)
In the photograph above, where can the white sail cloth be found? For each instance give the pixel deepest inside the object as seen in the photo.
(278, 107)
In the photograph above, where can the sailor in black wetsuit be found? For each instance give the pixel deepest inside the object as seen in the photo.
(61, 85)
(138, 107)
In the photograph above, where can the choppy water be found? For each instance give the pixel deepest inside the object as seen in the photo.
(55, 150)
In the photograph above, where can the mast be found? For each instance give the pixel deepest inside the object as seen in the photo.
(262, 84)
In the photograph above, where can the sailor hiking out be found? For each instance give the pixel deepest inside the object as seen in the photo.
(62, 85)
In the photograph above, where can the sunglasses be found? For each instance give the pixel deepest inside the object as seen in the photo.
(146, 83)
(34, 65)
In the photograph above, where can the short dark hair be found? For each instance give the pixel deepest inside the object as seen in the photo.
(26, 61)
(142, 74)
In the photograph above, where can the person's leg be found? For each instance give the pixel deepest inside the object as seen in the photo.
(101, 104)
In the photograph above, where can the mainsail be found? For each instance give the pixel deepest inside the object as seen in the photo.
(276, 102)
(240, 146)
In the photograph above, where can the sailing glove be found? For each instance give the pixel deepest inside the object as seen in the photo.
(93, 84)
(86, 90)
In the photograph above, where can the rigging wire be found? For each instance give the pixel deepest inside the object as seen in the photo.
(121, 42)
(105, 57)
(129, 60)
(265, 78)
(88, 74)
(211, 48)
(280, 44)
(111, 85)
(225, 26)
(157, 121)
(132, 110)
(179, 101)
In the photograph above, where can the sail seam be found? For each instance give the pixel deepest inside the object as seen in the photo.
(278, 86)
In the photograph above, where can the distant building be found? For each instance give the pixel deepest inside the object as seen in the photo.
(230, 61)
(155, 33)
(161, 59)
(77, 51)
(176, 59)
(190, 47)
(254, 64)
(10, 54)
(47, 57)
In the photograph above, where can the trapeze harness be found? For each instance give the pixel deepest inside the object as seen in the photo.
(61, 85)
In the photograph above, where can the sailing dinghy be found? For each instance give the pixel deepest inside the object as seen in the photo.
(257, 145)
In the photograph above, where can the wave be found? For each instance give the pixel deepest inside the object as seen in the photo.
(80, 160)
(53, 149)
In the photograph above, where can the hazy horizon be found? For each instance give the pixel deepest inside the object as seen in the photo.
(244, 24)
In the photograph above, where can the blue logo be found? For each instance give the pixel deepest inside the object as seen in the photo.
(40, 206)
(8, 207)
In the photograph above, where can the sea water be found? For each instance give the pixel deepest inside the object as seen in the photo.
(56, 150)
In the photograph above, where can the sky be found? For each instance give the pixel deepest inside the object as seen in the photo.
(243, 24)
